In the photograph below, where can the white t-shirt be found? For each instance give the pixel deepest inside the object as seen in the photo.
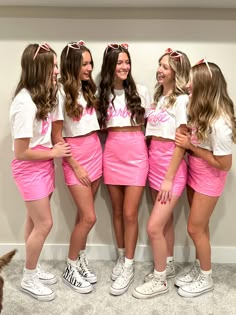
(219, 140)
(163, 121)
(73, 127)
(118, 115)
(24, 123)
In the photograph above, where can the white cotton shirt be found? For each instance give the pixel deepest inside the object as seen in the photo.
(219, 140)
(163, 121)
(118, 115)
(75, 127)
(24, 123)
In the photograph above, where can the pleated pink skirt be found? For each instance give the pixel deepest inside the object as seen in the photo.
(205, 178)
(160, 155)
(34, 179)
(87, 151)
(125, 159)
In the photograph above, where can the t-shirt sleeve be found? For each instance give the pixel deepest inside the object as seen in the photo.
(58, 113)
(181, 110)
(221, 139)
(23, 116)
(145, 98)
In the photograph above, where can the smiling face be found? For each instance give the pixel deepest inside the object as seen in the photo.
(122, 69)
(86, 67)
(165, 74)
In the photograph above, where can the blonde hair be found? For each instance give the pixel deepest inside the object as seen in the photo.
(181, 67)
(209, 100)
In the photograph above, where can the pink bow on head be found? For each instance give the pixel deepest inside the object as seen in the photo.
(169, 50)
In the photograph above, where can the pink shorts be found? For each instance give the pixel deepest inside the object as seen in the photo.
(34, 179)
(205, 178)
(125, 159)
(87, 151)
(160, 155)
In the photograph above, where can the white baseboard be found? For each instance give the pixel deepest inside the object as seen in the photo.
(108, 252)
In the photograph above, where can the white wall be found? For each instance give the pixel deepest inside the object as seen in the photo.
(148, 38)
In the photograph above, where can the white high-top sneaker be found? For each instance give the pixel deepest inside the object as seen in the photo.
(116, 271)
(46, 277)
(202, 284)
(124, 280)
(189, 276)
(170, 271)
(156, 286)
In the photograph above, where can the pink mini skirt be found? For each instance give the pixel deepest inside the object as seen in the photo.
(205, 178)
(87, 150)
(125, 159)
(160, 155)
(34, 179)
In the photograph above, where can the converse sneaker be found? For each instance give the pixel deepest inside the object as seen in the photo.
(122, 283)
(189, 276)
(170, 272)
(116, 271)
(46, 277)
(73, 279)
(86, 273)
(202, 284)
(156, 286)
(31, 285)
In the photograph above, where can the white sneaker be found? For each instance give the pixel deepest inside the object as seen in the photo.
(124, 280)
(170, 272)
(73, 279)
(202, 284)
(116, 271)
(31, 285)
(46, 277)
(156, 286)
(86, 273)
(189, 276)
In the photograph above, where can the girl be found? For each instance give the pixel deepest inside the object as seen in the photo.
(33, 168)
(167, 168)
(76, 121)
(122, 108)
(212, 132)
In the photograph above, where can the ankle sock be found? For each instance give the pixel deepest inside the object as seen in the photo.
(121, 251)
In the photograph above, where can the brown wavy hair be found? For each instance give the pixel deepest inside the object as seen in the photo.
(209, 100)
(36, 77)
(181, 67)
(71, 63)
(106, 88)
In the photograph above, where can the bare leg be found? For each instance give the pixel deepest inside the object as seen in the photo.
(84, 201)
(132, 198)
(37, 228)
(198, 226)
(117, 198)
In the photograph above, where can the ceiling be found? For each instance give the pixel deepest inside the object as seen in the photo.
(227, 4)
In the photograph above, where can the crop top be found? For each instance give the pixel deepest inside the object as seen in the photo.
(163, 121)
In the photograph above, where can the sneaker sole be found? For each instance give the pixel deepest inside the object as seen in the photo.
(48, 281)
(121, 291)
(139, 295)
(91, 280)
(192, 294)
(43, 298)
(78, 289)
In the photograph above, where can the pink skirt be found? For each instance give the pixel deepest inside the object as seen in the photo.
(125, 159)
(160, 155)
(34, 179)
(87, 151)
(205, 178)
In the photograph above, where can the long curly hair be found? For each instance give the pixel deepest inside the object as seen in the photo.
(71, 64)
(181, 67)
(209, 100)
(36, 77)
(106, 88)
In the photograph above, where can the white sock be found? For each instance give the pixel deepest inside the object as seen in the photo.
(82, 252)
(159, 273)
(30, 271)
(129, 262)
(197, 261)
(72, 262)
(121, 251)
(169, 259)
(207, 273)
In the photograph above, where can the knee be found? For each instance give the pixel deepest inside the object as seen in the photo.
(117, 213)
(90, 220)
(131, 217)
(153, 231)
(46, 227)
(193, 231)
